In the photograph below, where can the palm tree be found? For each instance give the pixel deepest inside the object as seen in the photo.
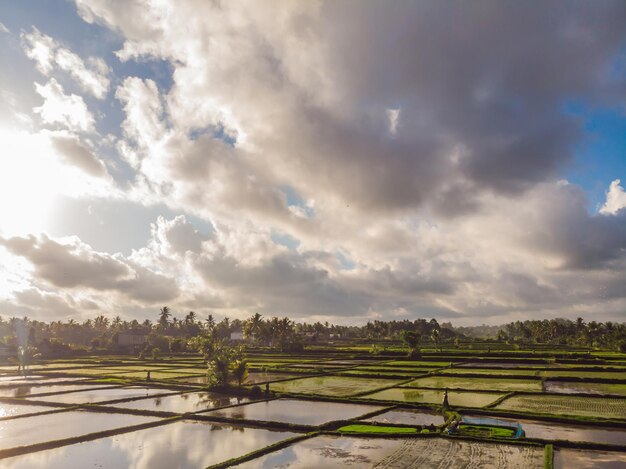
(164, 317)
(210, 322)
(252, 327)
(190, 318)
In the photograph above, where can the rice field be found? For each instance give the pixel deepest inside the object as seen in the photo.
(598, 407)
(113, 417)
(336, 452)
(481, 384)
(331, 385)
(431, 396)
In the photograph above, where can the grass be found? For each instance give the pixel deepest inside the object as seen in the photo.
(378, 429)
(548, 457)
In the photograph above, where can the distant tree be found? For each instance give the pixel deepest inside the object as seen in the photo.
(412, 340)
(240, 371)
(164, 317)
(435, 337)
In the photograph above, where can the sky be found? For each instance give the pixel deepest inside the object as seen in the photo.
(338, 160)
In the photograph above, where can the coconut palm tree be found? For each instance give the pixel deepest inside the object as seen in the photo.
(164, 317)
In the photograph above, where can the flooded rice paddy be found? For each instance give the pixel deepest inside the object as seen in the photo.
(597, 407)
(569, 432)
(102, 395)
(295, 411)
(339, 452)
(11, 410)
(482, 384)
(40, 428)
(182, 403)
(408, 417)
(566, 458)
(431, 396)
(570, 387)
(202, 440)
(331, 385)
(28, 390)
(184, 444)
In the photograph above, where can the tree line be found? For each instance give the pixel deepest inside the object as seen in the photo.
(189, 333)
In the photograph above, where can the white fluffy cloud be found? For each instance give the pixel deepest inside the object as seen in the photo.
(615, 199)
(48, 54)
(69, 111)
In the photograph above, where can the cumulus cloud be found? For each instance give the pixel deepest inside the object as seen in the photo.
(77, 153)
(324, 113)
(48, 54)
(615, 199)
(69, 111)
(73, 264)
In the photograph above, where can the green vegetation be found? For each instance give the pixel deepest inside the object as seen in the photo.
(486, 431)
(548, 457)
(377, 429)
(226, 364)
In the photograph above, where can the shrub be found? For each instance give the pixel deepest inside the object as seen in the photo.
(156, 353)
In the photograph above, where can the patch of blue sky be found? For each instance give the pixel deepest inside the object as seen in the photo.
(600, 157)
(285, 239)
(60, 20)
(344, 261)
(215, 131)
(295, 200)
(113, 225)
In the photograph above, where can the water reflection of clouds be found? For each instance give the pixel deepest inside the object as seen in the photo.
(185, 444)
(570, 458)
(327, 452)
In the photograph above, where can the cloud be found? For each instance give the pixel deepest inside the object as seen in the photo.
(4, 29)
(354, 160)
(72, 264)
(78, 154)
(320, 118)
(48, 54)
(70, 111)
(176, 236)
(615, 199)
